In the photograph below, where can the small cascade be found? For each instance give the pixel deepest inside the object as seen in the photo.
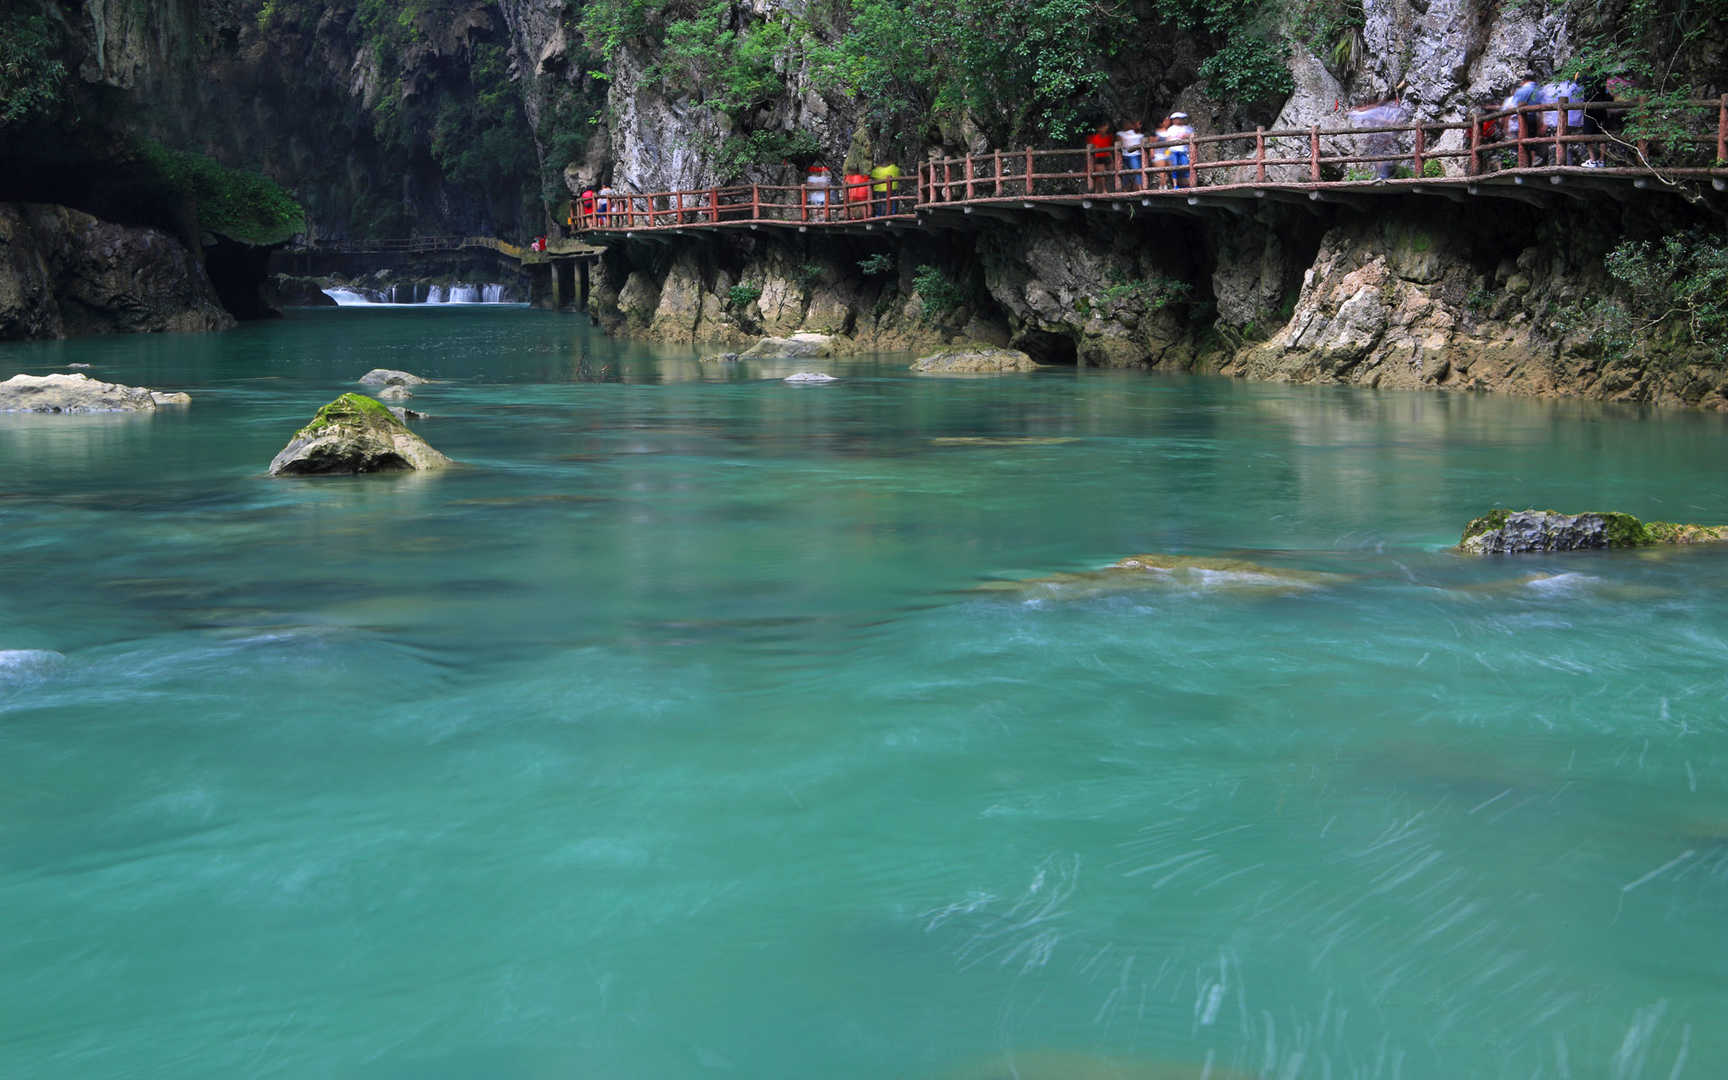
(435, 294)
(494, 294)
(347, 297)
(464, 294)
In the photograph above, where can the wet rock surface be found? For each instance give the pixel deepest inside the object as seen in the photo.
(79, 393)
(1517, 532)
(354, 434)
(796, 347)
(391, 377)
(974, 360)
(65, 272)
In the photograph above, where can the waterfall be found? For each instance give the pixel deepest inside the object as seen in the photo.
(347, 297)
(435, 294)
(464, 294)
(494, 294)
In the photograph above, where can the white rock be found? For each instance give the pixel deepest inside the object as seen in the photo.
(77, 393)
(391, 377)
(394, 392)
(170, 398)
(810, 377)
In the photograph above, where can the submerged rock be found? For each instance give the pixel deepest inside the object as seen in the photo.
(1183, 572)
(170, 398)
(354, 434)
(796, 347)
(1075, 1065)
(1003, 440)
(975, 359)
(75, 393)
(401, 413)
(391, 377)
(395, 393)
(809, 377)
(1517, 532)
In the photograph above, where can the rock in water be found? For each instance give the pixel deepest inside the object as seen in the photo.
(809, 377)
(391, 377)
(354, 434)
(72, 394)
(796, 347)
(401, 413)
(1518, 532)
(974, 359)
(395, 392)
(173, 398)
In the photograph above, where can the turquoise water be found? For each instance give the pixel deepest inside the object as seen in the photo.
(692, 727)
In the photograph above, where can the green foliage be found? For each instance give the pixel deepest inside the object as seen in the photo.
(765, 149)
(1024, 69)
(809, 276)
(742, 296)
(939, 294)
(1250, 69)
(480, 140)
(880, 263)
(1141, 295)
(1332, 30)
(243, 206)
(1432, 170)
(31, 80)
(1674, 300)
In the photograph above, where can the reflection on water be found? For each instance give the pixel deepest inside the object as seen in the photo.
(699, 724)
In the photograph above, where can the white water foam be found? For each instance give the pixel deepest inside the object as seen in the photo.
(18, 665)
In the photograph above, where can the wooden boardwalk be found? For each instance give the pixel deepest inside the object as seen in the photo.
(1228, 173)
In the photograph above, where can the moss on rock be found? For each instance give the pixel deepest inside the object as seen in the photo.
(355, 434)
(1512, 532)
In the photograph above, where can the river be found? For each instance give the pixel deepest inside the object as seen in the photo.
(695, 726)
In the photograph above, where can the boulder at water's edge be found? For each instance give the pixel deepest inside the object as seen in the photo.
(796, 347)
(1518, 532)
(354, 434)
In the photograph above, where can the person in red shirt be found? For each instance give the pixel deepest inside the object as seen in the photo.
(857, 195)
(1100, 145)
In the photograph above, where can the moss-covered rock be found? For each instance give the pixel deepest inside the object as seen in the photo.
(354, 434)
(974, 360)
(1188, 573)
(1515, 532)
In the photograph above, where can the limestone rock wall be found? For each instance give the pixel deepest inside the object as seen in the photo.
(64, 272)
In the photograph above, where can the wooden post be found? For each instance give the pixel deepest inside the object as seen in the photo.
(1560, 132)
(1523, 136)
(1475, 144)
(998, 174)
(971, 174)
(1028, 172)
(1260, 154)
(1421, 145)
(1314, 153)
(680, 218)
(714, 205)
(755, 202)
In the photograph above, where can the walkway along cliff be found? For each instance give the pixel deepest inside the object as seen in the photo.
(1478, 270)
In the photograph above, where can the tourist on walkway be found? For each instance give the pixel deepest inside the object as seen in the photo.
(604, 205)
(1132, 141)
(1526, 125)
(1595, 92)
(887, 180)
(1380, 144)
(1100, 149)
(816, 182)
(588, 221)
(1178, 134)
(1554, 93)
(857, 195)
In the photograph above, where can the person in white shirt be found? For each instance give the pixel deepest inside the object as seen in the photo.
(1178, 134)
(1132, 142)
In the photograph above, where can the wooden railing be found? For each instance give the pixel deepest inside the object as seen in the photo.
(1299, 159)
(754, 204)
(419, 245)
